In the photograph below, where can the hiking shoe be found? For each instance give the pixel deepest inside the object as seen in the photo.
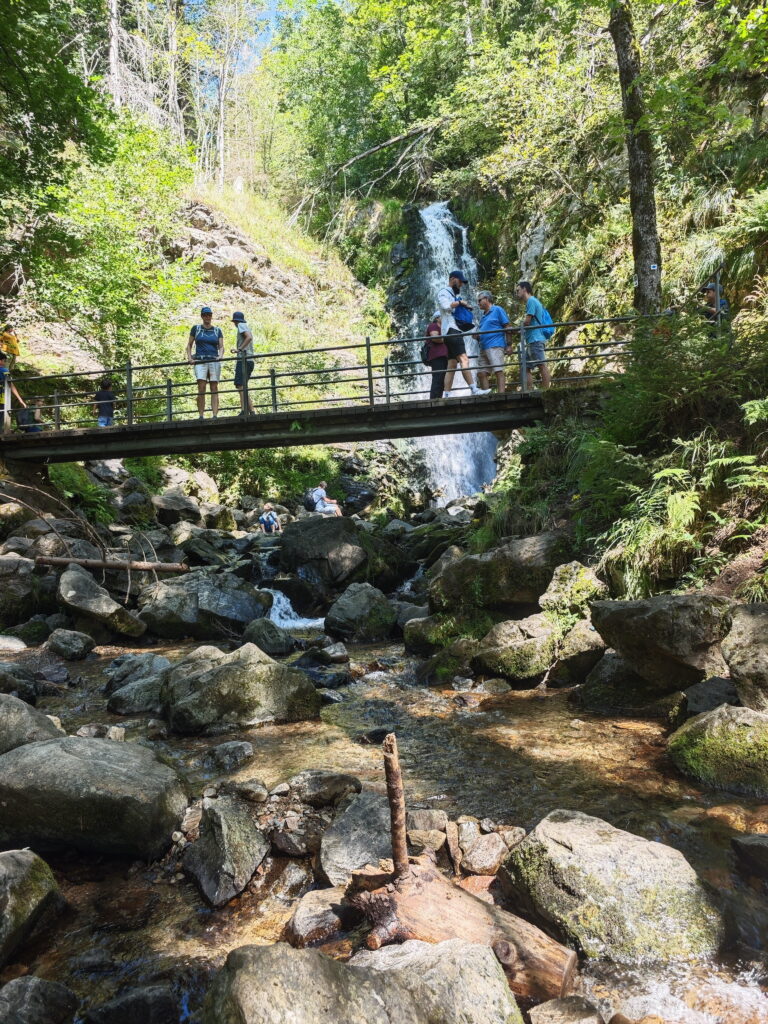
(446, 394)
(481, 391)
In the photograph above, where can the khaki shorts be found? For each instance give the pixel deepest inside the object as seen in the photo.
(208, 371)
(491, 358)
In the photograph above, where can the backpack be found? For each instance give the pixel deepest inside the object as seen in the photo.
(424, 353)
(25, 417)
(546, 323)
(309, 502)
(463, 317)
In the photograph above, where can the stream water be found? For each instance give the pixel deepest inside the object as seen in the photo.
(459, 464)
(511, 757)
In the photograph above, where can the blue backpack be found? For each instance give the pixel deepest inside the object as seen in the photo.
(546, 324)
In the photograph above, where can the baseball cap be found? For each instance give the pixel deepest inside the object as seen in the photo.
(206, 309)
(460, 275)
(710, 286)
(238, 318)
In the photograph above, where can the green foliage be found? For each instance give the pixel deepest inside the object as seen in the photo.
(102, 267)
(91, 499)
(281, 474)
(148, 469)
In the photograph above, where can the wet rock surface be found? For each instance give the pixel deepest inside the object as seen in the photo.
(726, 748)
(28, 891)
(20, 723)
(37, 1001)
(82, 596)
(359, 836)
(362, 614)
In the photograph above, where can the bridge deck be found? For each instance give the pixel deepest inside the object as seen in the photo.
(276, 430)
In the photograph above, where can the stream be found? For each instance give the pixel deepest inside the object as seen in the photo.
(511, 757)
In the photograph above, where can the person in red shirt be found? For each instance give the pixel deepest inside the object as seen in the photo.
(437, 357)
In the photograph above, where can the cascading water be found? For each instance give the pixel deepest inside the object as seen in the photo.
(459, 464)
(282, 613)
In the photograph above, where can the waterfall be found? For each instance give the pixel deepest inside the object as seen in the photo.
(459, 464)
(283, 614)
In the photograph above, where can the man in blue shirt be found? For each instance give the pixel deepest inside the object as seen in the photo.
(534, 337)
(492, 341)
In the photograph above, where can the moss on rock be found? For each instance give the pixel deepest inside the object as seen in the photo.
(726, 749)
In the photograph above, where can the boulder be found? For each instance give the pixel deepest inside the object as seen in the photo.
(746, 652)
(13, 515)
(567, 1010)
(358, 836)
(407, 612)
(20, 724)
(672, 641)
(332, 654)
(253, 790)
(108, 471)
(485, 855)
(333, 551)
(228, 757)
(151, 1004)
(89, 794)
(69, 644)
(518, 572)
(610, 893)
(18, 588)
(272, 639)
(426, 820)
(725, 749)
(209, 691)
(133, 668)
(28, 891)
(361, 615)
(81, 594)
(578, 652)
(455, 982)
(520, 651)
(31, 1000)
(202, 606)
(454, 660)
(706, 696)
(450, 983)
(571, 590)
(613, 686)
(173, 505)
(320, 788)
(18, 682)
(752, 852)
(319, 914)
(230, 848)
(137, 698)
(218, 517)
(12, 643)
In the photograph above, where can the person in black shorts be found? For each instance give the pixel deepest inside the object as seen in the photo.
(448, 300)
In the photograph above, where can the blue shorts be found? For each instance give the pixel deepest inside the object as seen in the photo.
(536, 354)
(239, 371)
(106, 421)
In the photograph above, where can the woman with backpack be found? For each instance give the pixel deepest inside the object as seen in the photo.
(209, 349)
(434, 354)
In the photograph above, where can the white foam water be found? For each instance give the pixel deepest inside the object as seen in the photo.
(459, 464)
(282, 613)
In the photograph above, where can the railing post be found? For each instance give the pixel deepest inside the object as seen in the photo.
(523, 360)
(6, 403)
(369, 364)
(273, 387)
(168, 399)
(129, 393)
(386, 379)
(56, 411)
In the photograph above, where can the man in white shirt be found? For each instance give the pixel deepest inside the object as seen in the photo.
(448, 299)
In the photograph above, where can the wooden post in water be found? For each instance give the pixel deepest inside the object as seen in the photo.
(396, 799)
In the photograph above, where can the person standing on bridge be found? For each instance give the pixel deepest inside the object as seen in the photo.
(209, 350)
(492, 340)
(5, 379)
(448, 301)
(437, 357)
(533, 336)
(244, 347)
(104, 404)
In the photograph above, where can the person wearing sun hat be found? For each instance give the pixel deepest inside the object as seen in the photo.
(209, 349)
(244, 347)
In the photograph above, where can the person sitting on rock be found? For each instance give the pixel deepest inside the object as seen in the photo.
(324, 504)
(268, 520)
(209, 349)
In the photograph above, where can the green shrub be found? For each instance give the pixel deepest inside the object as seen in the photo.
(149, 470)
(87, 497)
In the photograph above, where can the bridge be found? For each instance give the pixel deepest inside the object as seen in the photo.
(299, 397)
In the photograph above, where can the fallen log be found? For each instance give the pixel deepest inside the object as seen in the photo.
(97, 563)
(424, 904)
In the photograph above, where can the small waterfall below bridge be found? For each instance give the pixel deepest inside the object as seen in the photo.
(459, 464)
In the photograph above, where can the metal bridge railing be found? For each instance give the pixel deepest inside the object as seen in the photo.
(286, 381)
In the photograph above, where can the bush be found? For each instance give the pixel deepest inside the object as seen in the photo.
(149, 470)
(91, 499)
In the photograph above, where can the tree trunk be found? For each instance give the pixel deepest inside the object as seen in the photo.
(115, 563)
(424, 905)
(642, 194)
(174, 110)
(114, 51)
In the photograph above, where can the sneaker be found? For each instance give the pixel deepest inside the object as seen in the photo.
(446, 394)
(201, 418)
(481, 391)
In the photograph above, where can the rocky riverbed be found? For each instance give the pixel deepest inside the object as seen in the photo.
(196, 764)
